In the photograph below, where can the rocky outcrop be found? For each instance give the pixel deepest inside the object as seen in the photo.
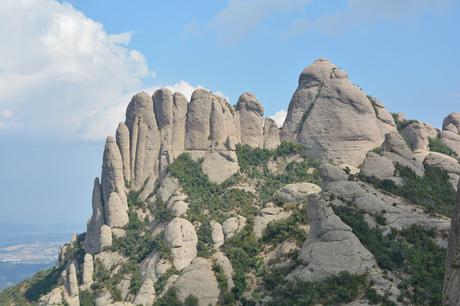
(251, 114)
(198, 279)
(450, 134)
(267, 215)
(418, 135)
(181, 236)
(116, 211)
(451, 294)
(217, 234)
(396, 149)
(71, 282)
(331, 247)
(233, 225)
(377, 166)
(332, 118)
(93, 233)
(112, 179)
(297, 192)
(271, 134)
(218, 167)
(146, 293)
(446, 163)
(105, 238)
(87, 272)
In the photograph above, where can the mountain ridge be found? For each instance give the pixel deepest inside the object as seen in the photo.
(204, 203)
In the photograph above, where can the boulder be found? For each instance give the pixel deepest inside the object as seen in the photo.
(297, 192)
(251, 114)
(330, 173)
(92, 238)
(233, 225)
(181, 237)
(331, 247)
(452, 119)
(218, 168)
(223, 261)
(267, 215)
(169, 184)
(452, 140)
(332, 118)
(71, 282)
(217, 233)
(116, 211)
(396, 149)
(146, 294)
(446, 163)
(271, 134)
(178, 203)
(105, 238)
(377, 166)
(87, 271)
(418, 135)
(198, 279)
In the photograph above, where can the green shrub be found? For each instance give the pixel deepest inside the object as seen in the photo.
(411, 253)
(337, 290)
(436, 145)
(433, 191)
(87, 298)
(278, 231)
(242, 250)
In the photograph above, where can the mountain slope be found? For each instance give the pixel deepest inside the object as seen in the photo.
(203, 203)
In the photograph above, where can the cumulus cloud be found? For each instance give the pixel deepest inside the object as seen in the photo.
(59, 69)
(279, 117)
(240, 17)
(358, 12)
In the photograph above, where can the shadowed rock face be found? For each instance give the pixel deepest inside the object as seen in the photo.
(333, 118)
(451, 292)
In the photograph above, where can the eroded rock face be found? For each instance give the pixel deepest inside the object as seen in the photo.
(112, 179)
(451, 294)
(87, 271)
(93, 233)
(331, 246)
(396, 149)
(233, 225)
(271, 134)
(332, 118)
(218, 168)
(418, 135)
(377, 166)
(251, 120)
(217, 234)
(198, 279)
(116, 211)
(181, 236)
(297, 192)
(446, 163)
(146, 294)
(267, 215)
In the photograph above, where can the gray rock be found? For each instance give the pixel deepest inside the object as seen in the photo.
(198, 279)
(452, 140)
(71, 282)
(197, 128)
(217, 233)
(251, 114)
(105, 238)
(178, 204)
(446, 163)
(227, 268)
(145, 143)
(332, 118)
(116, 211)
(377, 166)
(112, 179)
(181, 236)
(418, 135)
(330, 173)
(92, 241)
(451, 294)
(271, 134)
(331, 247)
(452, 119)
(218, 168)
(178, 130)
(396, 149)
(267, 215)
(297, 192)
(87, 271)
(233, 225)
(123, 142)
(169, 184)
(146, 293)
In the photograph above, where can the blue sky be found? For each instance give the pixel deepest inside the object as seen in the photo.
(68, 69)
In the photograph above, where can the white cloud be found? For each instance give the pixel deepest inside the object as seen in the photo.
(279, 117)
(240, 17)
(358, 12)
(60, 69)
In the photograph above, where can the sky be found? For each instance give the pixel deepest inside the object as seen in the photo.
(69, 68)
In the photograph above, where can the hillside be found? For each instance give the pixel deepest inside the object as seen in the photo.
(205, 203)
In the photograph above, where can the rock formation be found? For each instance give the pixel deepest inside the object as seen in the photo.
(332, 118)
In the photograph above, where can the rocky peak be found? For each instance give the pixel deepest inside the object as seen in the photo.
(333, 118)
